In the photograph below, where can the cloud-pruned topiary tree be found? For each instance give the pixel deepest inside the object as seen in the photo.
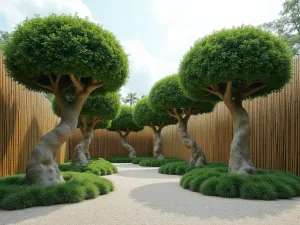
(233, 65)
(97, 113)
(124, 125)
(63, 55)
(143, 115)
(166, 96)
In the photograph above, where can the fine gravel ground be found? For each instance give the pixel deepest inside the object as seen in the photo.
(145, 197)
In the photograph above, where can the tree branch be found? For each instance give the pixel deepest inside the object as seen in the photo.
(227, 94)
(171, 113)
(252, 91)
(76, 83)
(215, 92)
(94, 84)
(84, 121)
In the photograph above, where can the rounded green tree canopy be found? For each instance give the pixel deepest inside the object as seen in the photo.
(61, 45)
(103, 124)
(124, 121)
(166, 95)
(143, 115)
(105, 106)
(256, 61)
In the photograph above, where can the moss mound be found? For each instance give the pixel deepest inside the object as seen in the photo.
(14, 194)
(266, 185)
(137, 160)
(182, 167)
(121, 159)
(98, 166)
(157, 162)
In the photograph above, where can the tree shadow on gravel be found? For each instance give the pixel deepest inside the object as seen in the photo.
(12, 217)
(171, 198)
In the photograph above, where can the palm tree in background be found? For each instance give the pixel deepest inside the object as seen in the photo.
(131, 98)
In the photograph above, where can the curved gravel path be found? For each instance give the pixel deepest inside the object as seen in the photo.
(144, 197)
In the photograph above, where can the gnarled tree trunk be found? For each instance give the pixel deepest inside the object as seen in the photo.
(157, 152)
(239, 161)
(197, 155)
(157, 145)
(42, 168)
(82, 149)
(132, 152)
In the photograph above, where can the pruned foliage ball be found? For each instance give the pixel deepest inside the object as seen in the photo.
(267, 185)
(98, 166)
(14, 194)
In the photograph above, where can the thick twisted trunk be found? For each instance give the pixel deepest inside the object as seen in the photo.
(197, 155)
(157, 145)
(132, 153)
(82, 149)
(239, 161)
(42, 168)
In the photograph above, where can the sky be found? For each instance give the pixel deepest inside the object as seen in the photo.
(154, 33)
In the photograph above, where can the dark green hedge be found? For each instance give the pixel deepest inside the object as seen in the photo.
(14, 194)
(267, 185)
(180, 168)
(137, 160)
(96, 166)
(121, 159)
(157, 162)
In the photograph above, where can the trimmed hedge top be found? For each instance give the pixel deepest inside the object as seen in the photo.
(243, 55)
(63, 45)
(166, 94)
(14, 194)
(143, 115)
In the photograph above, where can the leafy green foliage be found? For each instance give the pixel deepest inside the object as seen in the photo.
(242, 55)
(166, 94)
(4, 36)
(157, 162)
(287, 26)
(137, 160)
(143, 115)
(97, 166)
(103, 124)
(125, 121)
(106, 106)
(62, 45)
(121, 159)
(216, 181)
(14, 194)
(180, 168)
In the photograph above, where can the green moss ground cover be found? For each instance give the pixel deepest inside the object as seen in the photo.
(98, 166)
(266, 185)
(121, 159)
(157, 162)
(14, 194)
(182, 167)
(138, 159)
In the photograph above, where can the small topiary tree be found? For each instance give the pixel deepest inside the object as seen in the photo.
(233, 65)
(143, 115)
(97, 113)
(63, 55)
(166, 96)
(124, 125)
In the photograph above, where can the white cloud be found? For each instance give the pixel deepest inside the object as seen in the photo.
(145, 69)
(15, 11)
(188, 20)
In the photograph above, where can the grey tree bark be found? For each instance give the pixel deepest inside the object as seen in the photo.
(157, 152)
(82, 149)
(197, 155)
(42, 168)
(239, 161)
(131, 150)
